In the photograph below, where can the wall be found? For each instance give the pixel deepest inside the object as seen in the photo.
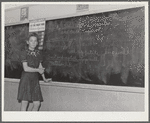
(52, 11)
(79, 97)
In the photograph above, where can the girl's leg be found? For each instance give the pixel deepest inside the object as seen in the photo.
(24, 105)
(36, 105)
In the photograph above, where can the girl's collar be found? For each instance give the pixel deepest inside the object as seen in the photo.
(31, 50)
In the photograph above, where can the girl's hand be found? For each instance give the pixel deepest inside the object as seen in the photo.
(48, 80)
(41, 70)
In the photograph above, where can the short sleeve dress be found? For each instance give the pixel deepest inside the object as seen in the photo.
(29, 87)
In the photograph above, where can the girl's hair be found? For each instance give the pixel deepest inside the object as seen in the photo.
(34, 35)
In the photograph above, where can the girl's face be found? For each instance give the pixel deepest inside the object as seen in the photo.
(32, 42)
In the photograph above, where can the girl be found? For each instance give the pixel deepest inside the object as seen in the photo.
(29, 88)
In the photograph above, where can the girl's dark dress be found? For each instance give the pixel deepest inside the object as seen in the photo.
(29, 87)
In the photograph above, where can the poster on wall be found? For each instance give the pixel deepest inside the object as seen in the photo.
(24, 14)
(82, 7)
(38, 26)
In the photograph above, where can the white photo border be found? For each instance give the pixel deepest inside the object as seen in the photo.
(78, 116)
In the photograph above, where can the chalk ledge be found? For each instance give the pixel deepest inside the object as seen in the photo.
(127, 89)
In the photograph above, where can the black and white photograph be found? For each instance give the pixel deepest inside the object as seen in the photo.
(75, 61)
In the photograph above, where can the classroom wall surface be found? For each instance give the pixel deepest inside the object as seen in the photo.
(79, 97)
(52, 11)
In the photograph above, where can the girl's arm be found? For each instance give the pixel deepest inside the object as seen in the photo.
(30, 69)
(43, 75)
(40, 66)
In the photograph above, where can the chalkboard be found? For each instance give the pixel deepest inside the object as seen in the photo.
(102, 48)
